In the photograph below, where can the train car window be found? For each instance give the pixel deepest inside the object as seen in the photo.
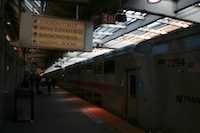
(70, 71)
(90, 69)
(83, 70)
(73, 71)
(133, 86)
(118, 64)
(78, 70)
(98, 68)
(109, 67)
(67, 72)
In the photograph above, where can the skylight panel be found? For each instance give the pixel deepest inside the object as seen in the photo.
(103, 33)
(175, 22)
(31, 7)
(129, 12)
(169, 28)
(99, 36)
(35, 11)
(65, 59)
(114, 26)
(110, 29)
(157, 28)
(28, 4)
(38, 3)
(113, 30)
(97, 40)
(120, 23)
(129, 21)
(50, 69)
(138, 13)
(150, 35)
(96, 35)
(98, 28)
(135, 32)
(152, 30)
(153, 25)
(103, 29)
(67, 64)
(71, 54)
(110, 43)
(95, 52)
(135, 16)
(44, 6)
(119, 45)
(77, 59)
(102, 36)
(144, 14)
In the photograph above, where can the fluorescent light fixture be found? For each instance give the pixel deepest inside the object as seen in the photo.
(97, 40)
(134, 16)
(153, 1)
(113, 26)
(103, 33)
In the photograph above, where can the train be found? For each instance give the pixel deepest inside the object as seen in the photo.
(154, 85)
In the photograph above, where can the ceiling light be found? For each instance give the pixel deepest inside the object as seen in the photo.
(8, 23)
(153, 1)
(113, 26)
(103, 33)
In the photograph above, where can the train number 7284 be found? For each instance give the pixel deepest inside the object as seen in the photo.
(176, 62)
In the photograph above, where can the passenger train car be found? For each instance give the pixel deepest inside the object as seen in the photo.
(155, 85)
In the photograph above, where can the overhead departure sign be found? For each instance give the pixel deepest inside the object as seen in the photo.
(55, 33)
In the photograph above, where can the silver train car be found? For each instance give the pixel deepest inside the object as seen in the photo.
(154, 85)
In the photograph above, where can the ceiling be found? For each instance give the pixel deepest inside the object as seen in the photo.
(143, 22)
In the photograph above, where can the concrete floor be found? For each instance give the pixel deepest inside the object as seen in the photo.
(62, 112)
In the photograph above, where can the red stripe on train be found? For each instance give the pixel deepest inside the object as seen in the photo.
(103, 87)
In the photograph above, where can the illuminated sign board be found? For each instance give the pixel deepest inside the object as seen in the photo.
(108, 18)
(55, 33)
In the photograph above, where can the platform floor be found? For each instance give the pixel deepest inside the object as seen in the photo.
(63, 112)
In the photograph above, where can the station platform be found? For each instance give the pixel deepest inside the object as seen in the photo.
(63, 112)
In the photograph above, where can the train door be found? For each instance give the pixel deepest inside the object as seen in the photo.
(131, 96)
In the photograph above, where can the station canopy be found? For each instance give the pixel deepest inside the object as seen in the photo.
(143, 21)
